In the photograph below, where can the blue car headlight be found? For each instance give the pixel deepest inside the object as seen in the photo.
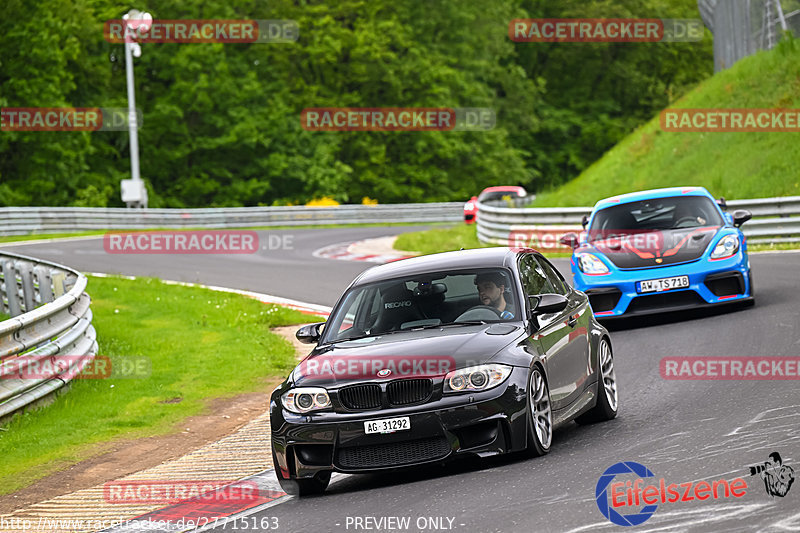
(726, 247)
(591, 264)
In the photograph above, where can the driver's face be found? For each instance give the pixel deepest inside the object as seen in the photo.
(489, 293)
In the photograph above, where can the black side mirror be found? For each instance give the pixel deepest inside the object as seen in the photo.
(584, 221)
(309, 334)
(740, 216)
(548, 303)
(722, 203)
(570, 240)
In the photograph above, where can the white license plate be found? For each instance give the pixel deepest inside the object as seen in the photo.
(387, 425)
(664, 284)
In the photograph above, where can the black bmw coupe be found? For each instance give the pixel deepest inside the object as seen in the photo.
(473, 352)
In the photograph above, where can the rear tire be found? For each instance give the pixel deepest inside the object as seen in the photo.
(540, 415)
(607, 398)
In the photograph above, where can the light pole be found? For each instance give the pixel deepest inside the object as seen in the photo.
(134, 193)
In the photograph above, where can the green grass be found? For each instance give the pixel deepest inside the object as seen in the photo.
(779, 246)
(45, 236)
(201, 344)
(439, 240)
(449, 239)
(733, 165)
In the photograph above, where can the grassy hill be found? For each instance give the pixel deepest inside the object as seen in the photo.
(733, 165)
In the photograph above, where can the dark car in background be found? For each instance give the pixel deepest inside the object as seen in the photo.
(491, 193)
(476, 352)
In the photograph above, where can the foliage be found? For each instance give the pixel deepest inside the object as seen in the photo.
(733, 165)
(221, 121)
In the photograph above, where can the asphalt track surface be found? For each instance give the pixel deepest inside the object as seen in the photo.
(681, 430)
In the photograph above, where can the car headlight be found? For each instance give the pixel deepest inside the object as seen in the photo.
(469, 206)
(726, 247)
(591, 264)
(304, 399)
(476, 378)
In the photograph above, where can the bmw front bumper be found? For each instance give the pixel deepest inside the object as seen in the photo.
(478, 423)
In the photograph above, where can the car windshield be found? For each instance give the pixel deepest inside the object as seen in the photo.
(428, 300)
(676, 212)
(497, 195)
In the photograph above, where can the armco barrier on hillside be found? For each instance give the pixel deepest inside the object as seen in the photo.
(24, 220)
(775, 220)
(50, 318)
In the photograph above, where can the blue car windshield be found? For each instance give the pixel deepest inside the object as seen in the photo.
(424, 301)
(676, 212)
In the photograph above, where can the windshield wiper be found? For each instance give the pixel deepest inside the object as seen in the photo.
(358, 337)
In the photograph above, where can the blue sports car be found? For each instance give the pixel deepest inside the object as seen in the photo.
(661, 250)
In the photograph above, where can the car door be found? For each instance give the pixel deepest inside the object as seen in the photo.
(577, 322)
(553, 335)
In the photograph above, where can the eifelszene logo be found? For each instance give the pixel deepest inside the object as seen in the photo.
(630, 494)
(778, 477)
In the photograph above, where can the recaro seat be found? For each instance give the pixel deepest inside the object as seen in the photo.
(397, 306)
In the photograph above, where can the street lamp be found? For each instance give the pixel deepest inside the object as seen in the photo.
(134, 193)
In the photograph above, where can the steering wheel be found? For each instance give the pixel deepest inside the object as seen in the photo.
(689, 218)
(479, 312)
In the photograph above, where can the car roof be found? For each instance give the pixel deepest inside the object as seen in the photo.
(495, 257)
(504, 188)
(652, 193)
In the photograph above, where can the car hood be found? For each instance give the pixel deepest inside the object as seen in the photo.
(652, 248)
(409, 354)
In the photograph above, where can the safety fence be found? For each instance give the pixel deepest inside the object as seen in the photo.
(50, 322)
(25, 220)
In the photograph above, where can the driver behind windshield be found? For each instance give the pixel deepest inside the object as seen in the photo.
(491, 291)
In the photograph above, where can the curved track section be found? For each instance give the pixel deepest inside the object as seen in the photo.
(681, 430)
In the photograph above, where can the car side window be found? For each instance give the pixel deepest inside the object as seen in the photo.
(534, 279)
(556, 281)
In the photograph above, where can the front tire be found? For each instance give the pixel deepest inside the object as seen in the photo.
(306, 486)
(540, 415)
(607, 397)
(752, 301)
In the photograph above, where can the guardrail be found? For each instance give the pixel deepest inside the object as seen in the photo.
(774, 220)
(50, 316)
(24, 220)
